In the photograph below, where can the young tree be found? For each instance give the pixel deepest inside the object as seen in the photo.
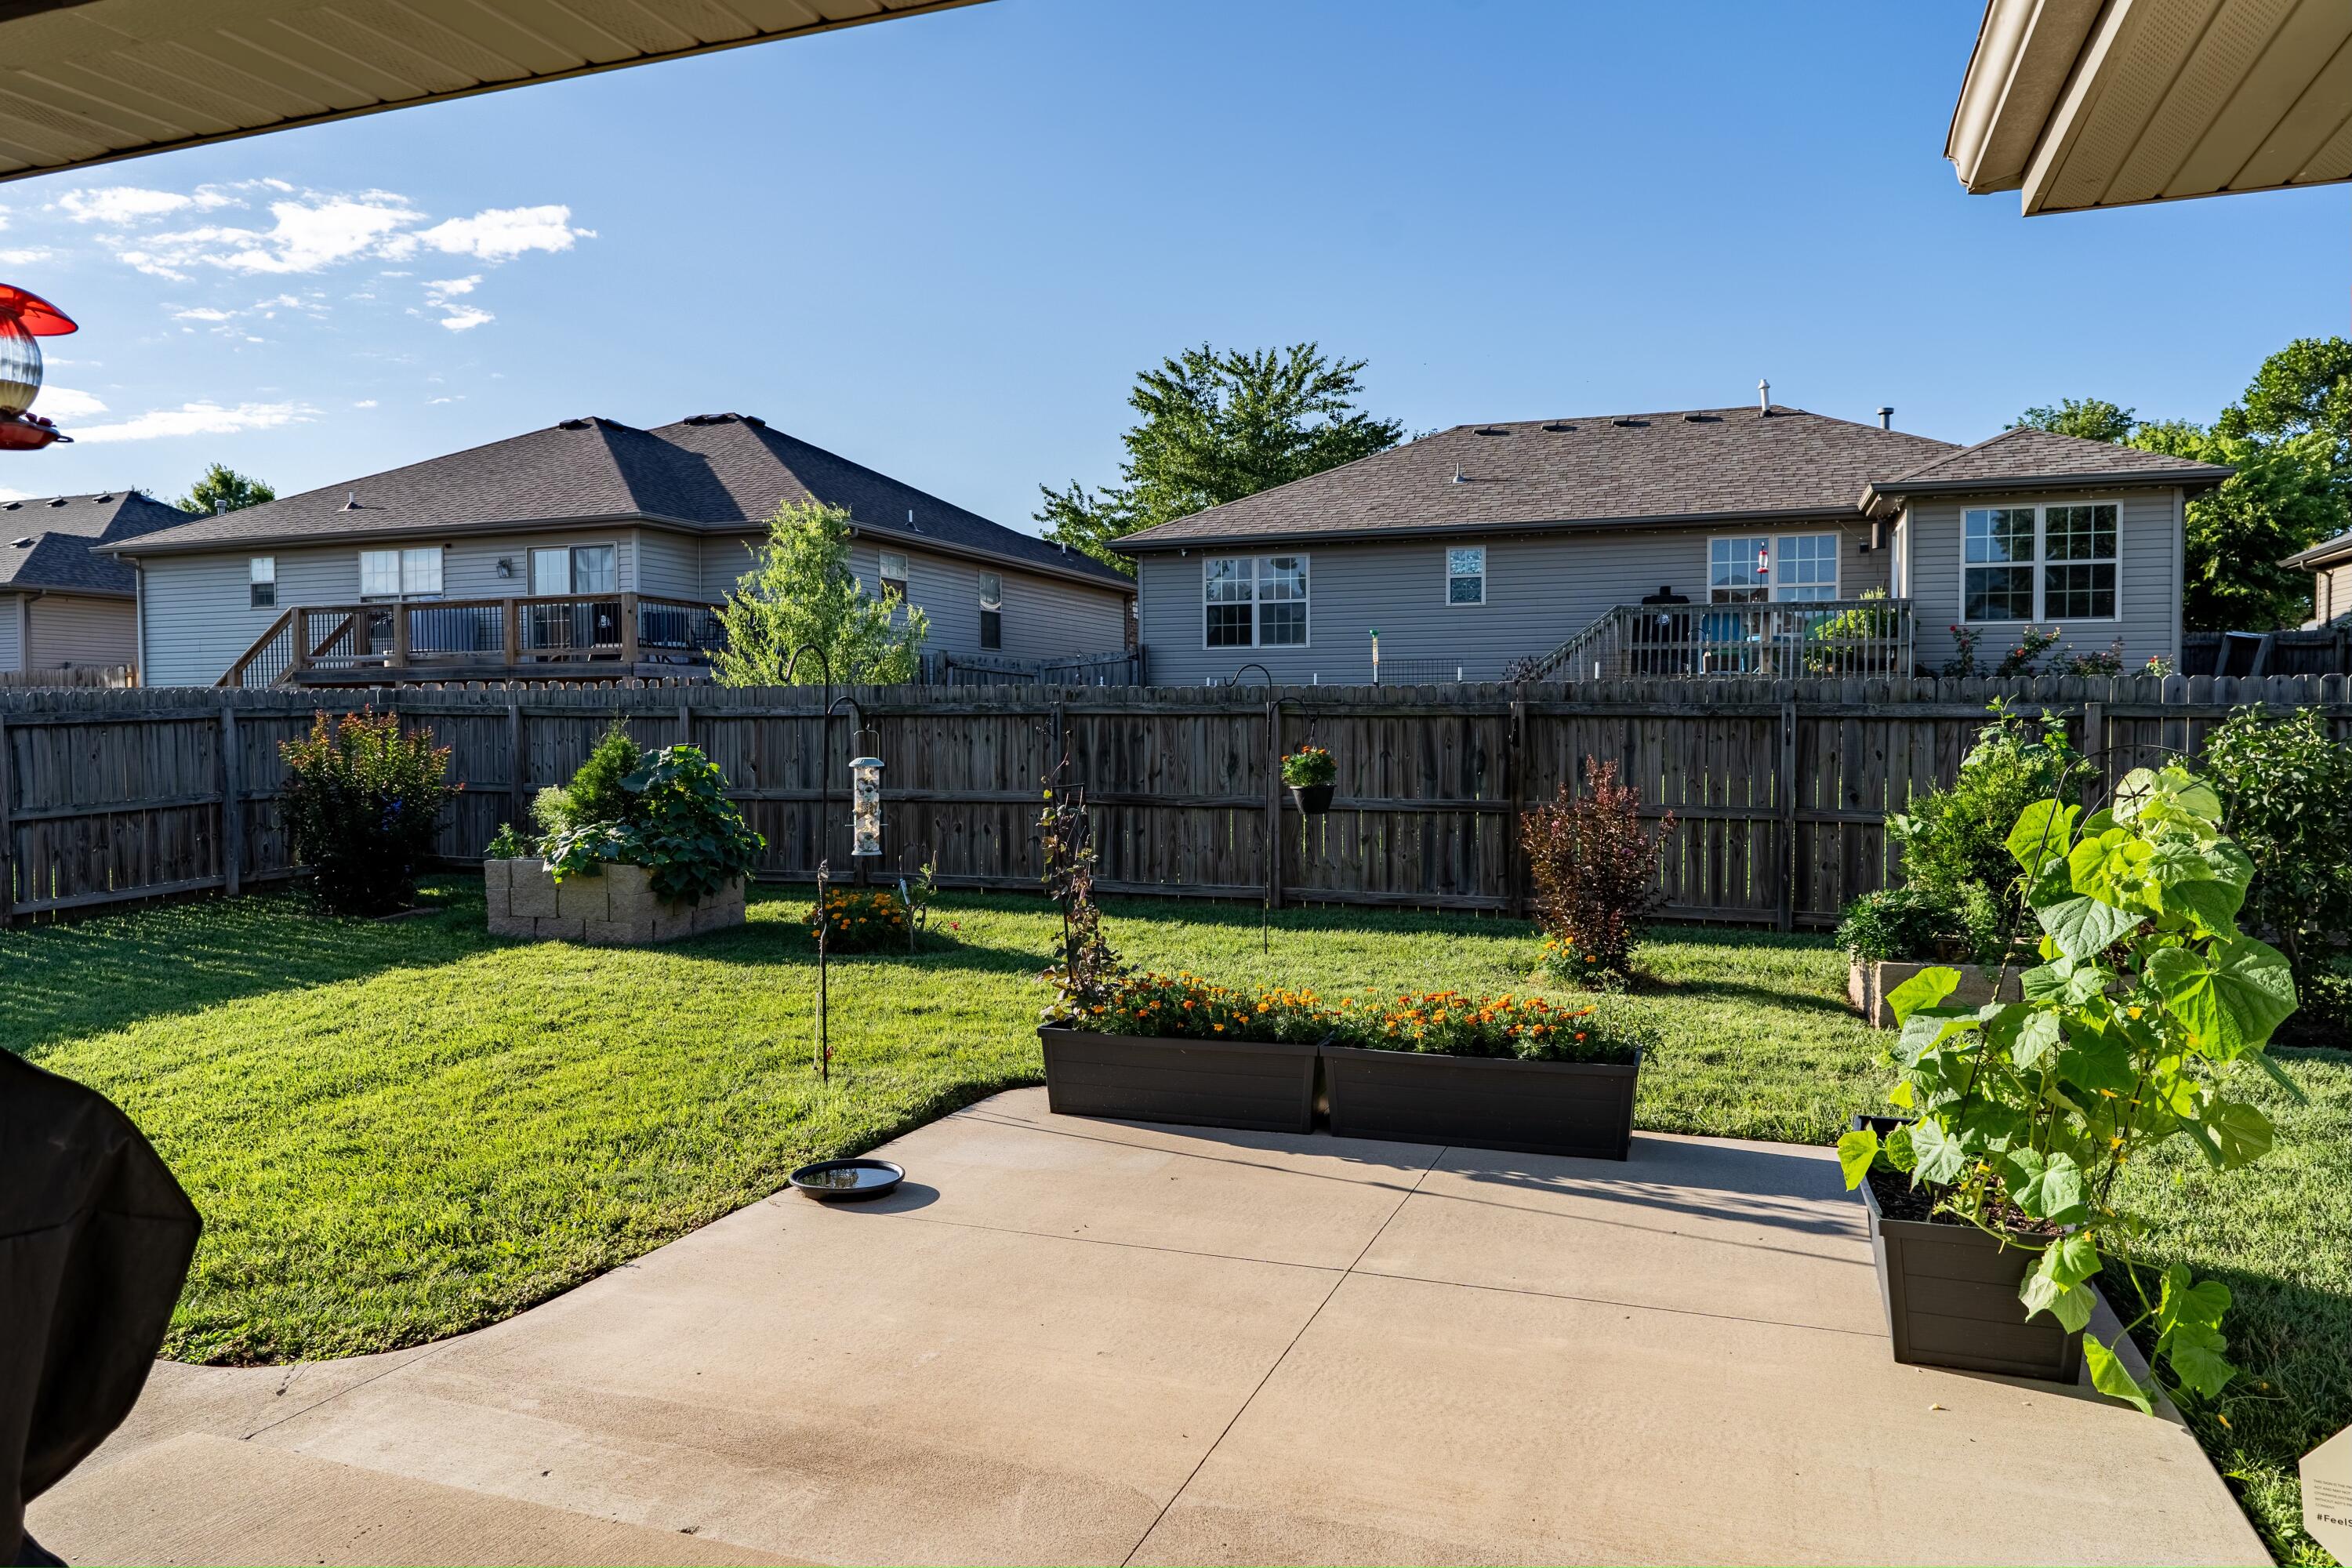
(801, 590)
(1217, 426)
(2092, 418)
(2286, 495)
(223, 489)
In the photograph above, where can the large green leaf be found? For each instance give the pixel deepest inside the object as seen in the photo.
(2096, 1060)
(2183, 1300)
(2072, 1259)
(2069, 1303)
(2047, 1188)
(2083, 927)
(2037, 1036)
(1856, 1152)
(1925, 989)
(2228, 999)
(1937, 1156)
(2242, 1133)
(2195, 1352)
(1928, 1027)
(2043, 829)
(2110, 1377)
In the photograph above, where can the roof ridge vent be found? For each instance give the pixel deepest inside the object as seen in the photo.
(574, 424)
(1557, 425)
(57, 501)
(1490, 430)
(1630, 424)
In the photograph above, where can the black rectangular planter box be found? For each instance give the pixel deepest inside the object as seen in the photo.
(1264, 1085)
(1582, 1109)
(1950, 1293)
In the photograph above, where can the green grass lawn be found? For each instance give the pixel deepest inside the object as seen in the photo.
(396, 1131)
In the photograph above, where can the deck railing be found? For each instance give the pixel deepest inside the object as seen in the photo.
(1788, 641)
(434, 638)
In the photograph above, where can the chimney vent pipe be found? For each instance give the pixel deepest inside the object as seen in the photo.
(1763, 397)
(1886, 418)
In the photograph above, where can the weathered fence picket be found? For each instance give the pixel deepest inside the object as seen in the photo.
(1780, 790)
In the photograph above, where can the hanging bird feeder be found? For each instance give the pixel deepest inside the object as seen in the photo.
(25, 319)
(866, 806)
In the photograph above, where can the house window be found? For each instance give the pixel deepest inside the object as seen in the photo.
(1466, 575)
(1753, 569)
(992, 611)
(401, 573)
(1254, 601)
(894, 573)
(557, 571)
(2032, 563)
(261, 576)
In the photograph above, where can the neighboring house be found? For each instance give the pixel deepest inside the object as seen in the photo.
(2330, 565)
(617, 540)
(1484, 545)
(65, 604)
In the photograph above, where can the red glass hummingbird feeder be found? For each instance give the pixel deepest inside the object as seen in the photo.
(25, 319)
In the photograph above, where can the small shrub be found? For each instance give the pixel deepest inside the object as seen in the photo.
(1595, 874)
(1896, 925)
(2099, 664)
(550, 810)
(362, 802)
(2020, 660)
(679, 826)
(2286, 794)
(1963, 662)
(506, 844)
(2328, 996)
(859, 920)
(917, 892)
(1308, 766)
(599, 792)
(1955, 840)
(1854, 642)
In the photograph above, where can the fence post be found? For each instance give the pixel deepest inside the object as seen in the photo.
(1274, 805)
(517, 771)
(232, 802)
(684, 716)
(8, 831)
(1515, 767)
(400, 633)
(1786, 786)
(2095, 742)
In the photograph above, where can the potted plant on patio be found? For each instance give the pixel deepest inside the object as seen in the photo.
(1960, 904)
(2148, 1006)
(1312, 776)
(639, 849)
(1155, 1047)
(1497, 1072)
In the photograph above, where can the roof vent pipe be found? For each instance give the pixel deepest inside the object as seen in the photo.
(1886, 418)
(350, 501)
(1457, 475)
(1763, 397)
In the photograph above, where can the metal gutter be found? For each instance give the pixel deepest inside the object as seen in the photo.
(1139, 545)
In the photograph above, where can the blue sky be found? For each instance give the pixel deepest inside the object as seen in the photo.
(942, 246)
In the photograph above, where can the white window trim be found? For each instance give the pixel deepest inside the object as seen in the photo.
(905, 580)
(1201, 602)
(1445, 578)
(611, 544)
(1773, 537)
(2041, 560)
(255, 579)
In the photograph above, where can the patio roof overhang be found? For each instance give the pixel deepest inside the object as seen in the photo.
(84, 82)
(2079, 104)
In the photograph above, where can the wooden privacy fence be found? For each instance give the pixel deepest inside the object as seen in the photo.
(1780, 790)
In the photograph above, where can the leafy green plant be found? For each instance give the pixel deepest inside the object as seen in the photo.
(1595, 871)
(1896, 924)
(506, 844)
(680, 827)
(2148, 1004)
(1963, 662)
(2287, 790)
(1308, 766)
(362, 803)
(858, 920)
(1857, 641)
(802, 590)
(2032, 644)
(1955, 840)
(1088, 970)
(550, 810)
(600, 791)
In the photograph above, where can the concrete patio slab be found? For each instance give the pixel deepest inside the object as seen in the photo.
(1072, 1340)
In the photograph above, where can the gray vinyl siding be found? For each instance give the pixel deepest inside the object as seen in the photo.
(669, 565)
(2148, 593)
(72, 632)
(1044, 617)
(2331, 594)
(12, 642)
(1541, 590)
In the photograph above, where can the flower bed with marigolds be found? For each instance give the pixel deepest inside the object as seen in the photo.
(859, 920)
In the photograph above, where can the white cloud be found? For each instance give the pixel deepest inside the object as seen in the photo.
(8, 495)
(118, 205)
(203, 313)
(498, 233)
(25, 255)
(364, 403)
(457, 397)
(309, 234)
(466, 318)
(203, 418)
(453, 286)
(65, 403)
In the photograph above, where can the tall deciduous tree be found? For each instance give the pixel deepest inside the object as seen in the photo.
(801, 590)
(223, 489)
(2092, 418)
(1217, 426)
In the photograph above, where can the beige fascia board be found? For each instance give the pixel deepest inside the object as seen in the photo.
(2025, 51)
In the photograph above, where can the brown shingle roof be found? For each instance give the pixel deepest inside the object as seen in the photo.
(713, 473)
(1615, 468)
(2025, 456)
(61, 533)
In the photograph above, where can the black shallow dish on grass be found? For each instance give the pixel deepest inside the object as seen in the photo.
(838, 1181)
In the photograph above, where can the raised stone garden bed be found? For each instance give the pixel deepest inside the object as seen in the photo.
(1868, 983)
(613, 909)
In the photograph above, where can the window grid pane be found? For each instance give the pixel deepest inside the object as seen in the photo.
(2079, 591)
(379, 573)
(1465, 575)
(1733, 573)
(1999, 594)
(2080, 532)
(1998, 535)
(1805, 566)
(420, 570)
(594, 570)
(1229, 626)
(991, 592)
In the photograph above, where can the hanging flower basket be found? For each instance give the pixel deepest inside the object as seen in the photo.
(1312, 776)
